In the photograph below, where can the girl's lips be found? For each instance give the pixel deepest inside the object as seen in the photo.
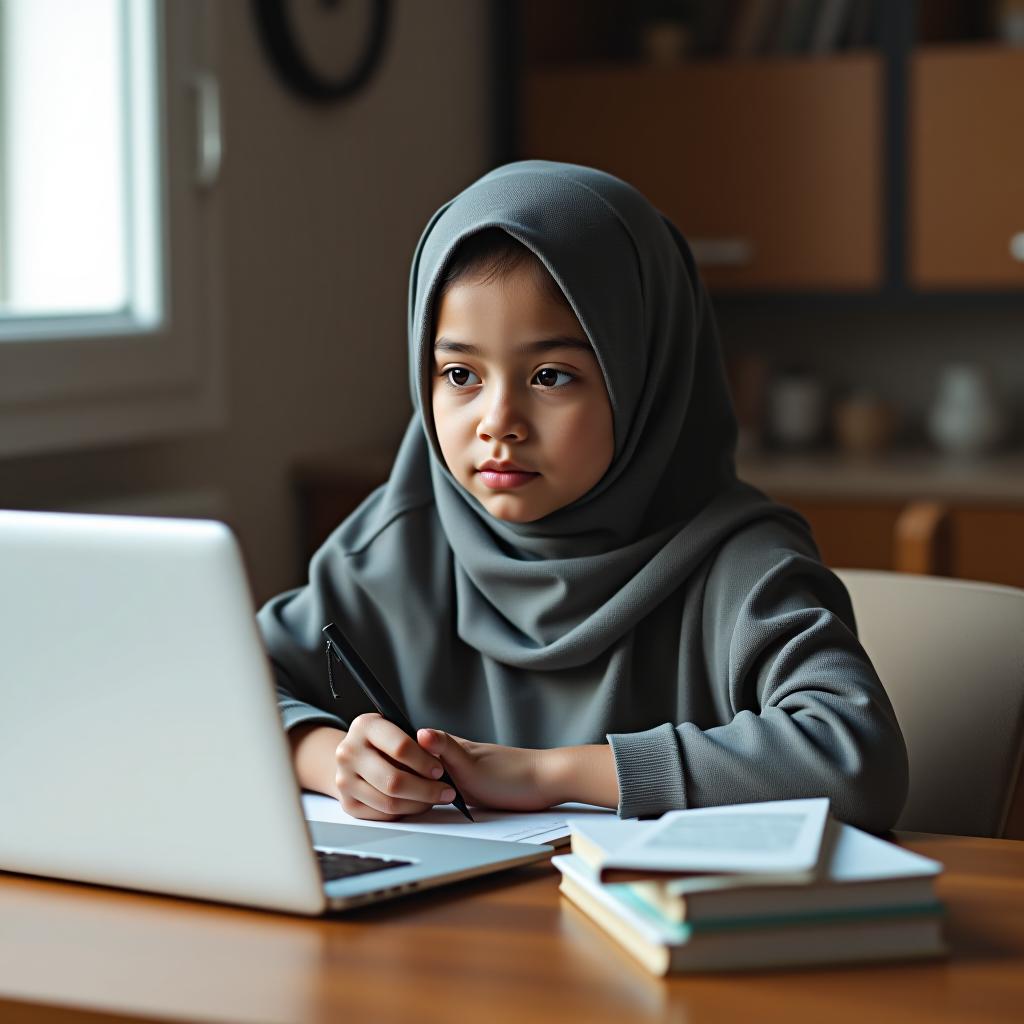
(501, 481)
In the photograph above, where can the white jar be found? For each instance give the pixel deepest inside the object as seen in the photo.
(965, 418)
(796, 409)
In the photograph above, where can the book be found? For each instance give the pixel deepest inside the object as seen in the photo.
(750, 25)
(780, 837)
(663, 946)
(858, 872)
(861, 27)
(710, 24)
(828, 29)
(795, 25)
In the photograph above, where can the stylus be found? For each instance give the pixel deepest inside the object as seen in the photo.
(381, 699)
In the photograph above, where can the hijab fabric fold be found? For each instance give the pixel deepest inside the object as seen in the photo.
(558, 592)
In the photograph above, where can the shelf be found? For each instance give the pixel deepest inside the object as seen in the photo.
(720, 61)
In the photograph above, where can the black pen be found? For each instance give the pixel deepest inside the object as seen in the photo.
(371, 686)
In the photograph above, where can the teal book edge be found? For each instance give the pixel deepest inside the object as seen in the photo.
(683, 932)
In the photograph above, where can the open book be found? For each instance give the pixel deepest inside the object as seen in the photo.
(858, 872)
(778, 837)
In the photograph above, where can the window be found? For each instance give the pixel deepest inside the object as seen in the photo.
(109, 222)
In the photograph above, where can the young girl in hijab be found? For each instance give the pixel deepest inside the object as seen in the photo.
(563, 582)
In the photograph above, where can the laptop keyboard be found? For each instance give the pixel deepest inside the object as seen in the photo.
(334, 864)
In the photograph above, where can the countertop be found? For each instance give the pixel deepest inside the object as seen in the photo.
(896, 476)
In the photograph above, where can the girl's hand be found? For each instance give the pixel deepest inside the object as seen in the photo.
(384, 774)
(489, 775)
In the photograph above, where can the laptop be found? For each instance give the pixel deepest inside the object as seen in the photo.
(140, 741)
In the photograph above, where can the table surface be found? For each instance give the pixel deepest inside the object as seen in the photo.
(503, 948)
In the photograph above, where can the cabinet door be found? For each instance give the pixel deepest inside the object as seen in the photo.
(850, 534)
(988, 544)
(773, 168)
(966, 186)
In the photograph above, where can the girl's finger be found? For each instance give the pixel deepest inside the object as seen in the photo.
(367, 793)
(389, 739)
(360, 810)
(392, 780)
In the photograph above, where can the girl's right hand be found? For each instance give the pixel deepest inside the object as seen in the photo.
(383, 774)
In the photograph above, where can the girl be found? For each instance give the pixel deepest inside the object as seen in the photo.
(563, 580)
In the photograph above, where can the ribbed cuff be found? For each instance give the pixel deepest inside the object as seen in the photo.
(649, 768)
(294, 713)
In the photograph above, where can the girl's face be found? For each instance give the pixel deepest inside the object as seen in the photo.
(517, 384)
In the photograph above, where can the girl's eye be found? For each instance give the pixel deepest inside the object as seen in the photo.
(456, 376)
(548, 377)
(459, 378)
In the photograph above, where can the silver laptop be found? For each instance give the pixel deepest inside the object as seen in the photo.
(140, 742)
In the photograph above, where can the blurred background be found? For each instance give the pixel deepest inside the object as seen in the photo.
(208, 212)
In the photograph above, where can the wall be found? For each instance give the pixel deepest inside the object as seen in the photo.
(322, 210)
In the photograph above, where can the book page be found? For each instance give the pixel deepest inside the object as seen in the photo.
(779, 835)
(768, 833)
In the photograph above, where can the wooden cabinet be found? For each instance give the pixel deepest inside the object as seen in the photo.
(871, 513)
(966, 168)
(895, 168)
(850, 534)
(772, 169)
(986, 542)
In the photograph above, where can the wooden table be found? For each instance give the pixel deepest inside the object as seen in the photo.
(503, 948)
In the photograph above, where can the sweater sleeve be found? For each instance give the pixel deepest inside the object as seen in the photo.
(289, 628)
(802, 711)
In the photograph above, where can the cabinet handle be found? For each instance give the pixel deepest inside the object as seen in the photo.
(209, 147)
(722, 252)
(1017, 246)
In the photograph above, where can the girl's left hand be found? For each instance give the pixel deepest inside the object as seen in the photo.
(490, 775)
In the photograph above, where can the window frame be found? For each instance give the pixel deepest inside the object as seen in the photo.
(70, 382)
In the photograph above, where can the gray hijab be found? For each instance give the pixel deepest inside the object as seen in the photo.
(672, 611)
(556, 592)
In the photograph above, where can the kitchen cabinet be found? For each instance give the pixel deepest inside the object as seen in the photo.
(858, 508)
(892, 170)
(772, 169)
(966, 168)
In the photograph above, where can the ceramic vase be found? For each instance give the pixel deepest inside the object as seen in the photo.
(965, 418)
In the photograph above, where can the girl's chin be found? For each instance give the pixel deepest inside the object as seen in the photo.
(512, 509)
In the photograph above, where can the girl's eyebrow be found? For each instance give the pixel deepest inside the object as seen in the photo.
(543, 345)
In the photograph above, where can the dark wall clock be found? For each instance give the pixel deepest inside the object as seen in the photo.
(283, 45)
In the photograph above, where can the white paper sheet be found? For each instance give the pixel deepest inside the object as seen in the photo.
(534, 827)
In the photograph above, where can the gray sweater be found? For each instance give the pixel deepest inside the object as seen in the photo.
(768, 694)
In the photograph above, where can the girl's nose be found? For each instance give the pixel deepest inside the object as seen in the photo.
(502, 421)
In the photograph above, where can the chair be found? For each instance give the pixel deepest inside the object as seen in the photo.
(951, 656)
(923, 539)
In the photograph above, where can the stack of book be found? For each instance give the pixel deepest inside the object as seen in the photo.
(747, 28)
(776, 884)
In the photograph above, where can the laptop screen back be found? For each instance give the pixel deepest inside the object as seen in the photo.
(140, 744)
